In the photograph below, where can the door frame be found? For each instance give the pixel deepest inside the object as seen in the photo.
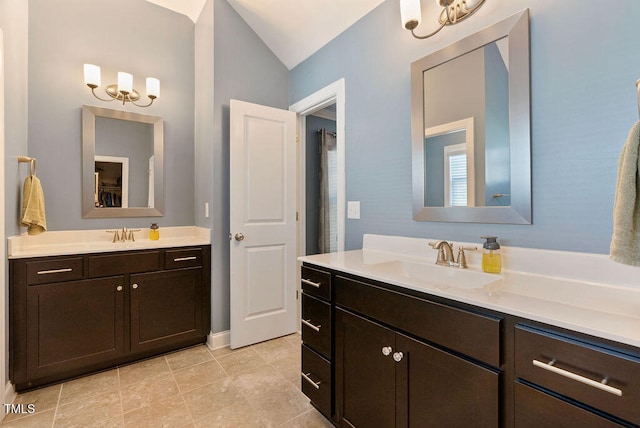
(5, 387)
(331, 94)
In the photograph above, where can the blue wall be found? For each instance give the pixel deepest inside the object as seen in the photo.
(584, 64)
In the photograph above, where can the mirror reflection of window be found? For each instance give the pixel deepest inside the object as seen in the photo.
(455, 175)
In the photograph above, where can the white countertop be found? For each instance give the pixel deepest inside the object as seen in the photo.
(99, 241)
(607, 310)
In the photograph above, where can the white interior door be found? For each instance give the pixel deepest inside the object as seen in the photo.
(262, 223)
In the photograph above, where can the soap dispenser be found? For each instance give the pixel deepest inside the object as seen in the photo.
(491, 257)
(154, 232)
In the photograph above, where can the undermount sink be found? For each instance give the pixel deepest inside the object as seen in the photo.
(440, 276)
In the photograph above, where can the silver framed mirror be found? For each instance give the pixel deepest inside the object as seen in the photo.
(122, 164)
(483, 174)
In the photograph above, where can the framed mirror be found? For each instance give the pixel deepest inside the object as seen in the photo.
(470, 126)
(122, 164)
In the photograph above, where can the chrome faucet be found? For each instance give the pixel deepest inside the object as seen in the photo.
(446, 257)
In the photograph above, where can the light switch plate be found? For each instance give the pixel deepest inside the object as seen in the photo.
(353, 209)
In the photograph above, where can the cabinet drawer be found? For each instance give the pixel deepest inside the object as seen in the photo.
(576, 369)
(316, 380)
(316, 282)
(316, 325)
(188, 257)
(115, 264)
(535, 409)
(472, 334)
(56, 270)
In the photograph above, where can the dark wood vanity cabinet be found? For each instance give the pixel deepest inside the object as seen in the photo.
(73, 315)
(317, 339)
(385, 378)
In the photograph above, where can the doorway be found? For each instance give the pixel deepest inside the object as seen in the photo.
(326, 102)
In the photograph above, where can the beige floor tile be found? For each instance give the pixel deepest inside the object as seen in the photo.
(42, 399)
(241, 361)
(107, 412)
(235, 416)
(290, 367)
(276, 349)
(37, 420)
(149, 391)
(199, 375)
(280, 404)
(189, 357)
(90, 388)
(147, 369)
(309, 419)
(170, 413)
(295, 339)
(255, 381)
(214, 397)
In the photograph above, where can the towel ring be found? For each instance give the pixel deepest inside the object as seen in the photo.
(32, 163)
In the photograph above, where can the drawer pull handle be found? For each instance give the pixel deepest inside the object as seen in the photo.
(308, 324)
(306, 377)
(600, 385)
(184, 259)
(311, 283)
(46, 272)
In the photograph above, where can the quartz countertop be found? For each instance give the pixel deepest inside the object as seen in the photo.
(55, 243)
(606, 310)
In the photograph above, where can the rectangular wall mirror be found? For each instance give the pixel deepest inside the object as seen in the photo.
(122, 164)
(470, 121)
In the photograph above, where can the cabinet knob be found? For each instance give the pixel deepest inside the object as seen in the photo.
(397, 357)
(386, 351)
(119, 288)
(134, 286)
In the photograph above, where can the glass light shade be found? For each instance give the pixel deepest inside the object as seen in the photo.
(91, 75)
(125, 82)
(153, 87)
(410, 11)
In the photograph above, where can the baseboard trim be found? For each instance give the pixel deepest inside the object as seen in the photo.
(9, 395)
(218, 340)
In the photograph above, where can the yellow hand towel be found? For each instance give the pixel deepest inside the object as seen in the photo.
(33, 216)
(625, 242)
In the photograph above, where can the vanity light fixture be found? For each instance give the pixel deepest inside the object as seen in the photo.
(123, 90)
(453, 12)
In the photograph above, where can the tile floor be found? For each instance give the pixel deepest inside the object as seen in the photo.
(256, 386)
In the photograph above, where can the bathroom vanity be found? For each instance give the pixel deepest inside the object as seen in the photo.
(73, 314)
(385, 347)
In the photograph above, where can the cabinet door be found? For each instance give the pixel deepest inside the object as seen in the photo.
(74, 325)
(440, 389)
(166, 309)
(365, 376)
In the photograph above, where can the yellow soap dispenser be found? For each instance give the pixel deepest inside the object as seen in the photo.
(491, 257)
(154, 232)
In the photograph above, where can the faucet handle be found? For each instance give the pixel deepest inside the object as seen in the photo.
(462, 258)
(116, 236)
(131, 237)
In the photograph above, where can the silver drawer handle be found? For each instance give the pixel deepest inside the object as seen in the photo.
(600, 385)
(184, 259)
(46, 272)
(306, 377)
(311, 283)
(308, 324)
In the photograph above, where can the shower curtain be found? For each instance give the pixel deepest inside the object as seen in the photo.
(327, 233)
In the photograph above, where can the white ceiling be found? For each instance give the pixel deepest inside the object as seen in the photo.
(292, 29)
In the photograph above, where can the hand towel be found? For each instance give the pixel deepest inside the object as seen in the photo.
(625, 242)
(33, 216)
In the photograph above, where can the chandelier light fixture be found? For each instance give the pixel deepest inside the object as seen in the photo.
(453, 12)
(123, 90)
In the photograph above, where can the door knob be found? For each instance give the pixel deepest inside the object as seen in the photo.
(239, 236)
(386, 350)
(397, 357)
